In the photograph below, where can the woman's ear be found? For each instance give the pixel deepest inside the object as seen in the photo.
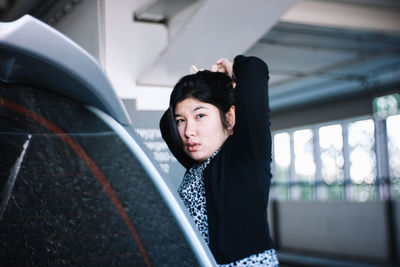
(231, 119)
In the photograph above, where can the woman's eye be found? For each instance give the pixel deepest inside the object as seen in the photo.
(199, 116)
(178, 121)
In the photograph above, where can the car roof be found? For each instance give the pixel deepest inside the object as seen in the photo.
(32, 52)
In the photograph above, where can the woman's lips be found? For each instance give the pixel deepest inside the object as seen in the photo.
(192, 147)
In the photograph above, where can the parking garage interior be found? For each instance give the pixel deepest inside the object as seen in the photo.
(334, 97)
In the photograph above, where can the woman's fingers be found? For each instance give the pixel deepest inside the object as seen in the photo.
(222, 69)
(226, 65)
(223, 65)
(222, 60)
(218, 68)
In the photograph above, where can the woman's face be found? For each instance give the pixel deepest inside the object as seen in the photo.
(200, 128)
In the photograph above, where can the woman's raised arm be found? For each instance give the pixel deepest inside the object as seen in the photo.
(252, 128)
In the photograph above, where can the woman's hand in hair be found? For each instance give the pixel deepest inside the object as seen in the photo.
(223, 65)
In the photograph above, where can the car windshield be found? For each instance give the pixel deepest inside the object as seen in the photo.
(73, 193)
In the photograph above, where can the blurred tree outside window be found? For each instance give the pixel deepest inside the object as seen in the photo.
(332, 161)
(305, 166)
(362, 160)
(282, 159)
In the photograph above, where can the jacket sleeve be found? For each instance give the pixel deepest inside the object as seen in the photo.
(252, 128)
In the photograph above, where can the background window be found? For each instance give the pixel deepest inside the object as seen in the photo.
(332, 161)
(304, 164)
(282, 159)
(362, 160)
(336, 161)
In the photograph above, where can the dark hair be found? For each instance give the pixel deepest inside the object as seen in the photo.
(211, 87)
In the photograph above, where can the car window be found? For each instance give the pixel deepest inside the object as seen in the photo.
(72, 193)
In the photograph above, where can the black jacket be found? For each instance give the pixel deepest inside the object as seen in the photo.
(237, 180)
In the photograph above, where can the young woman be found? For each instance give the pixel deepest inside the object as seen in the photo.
(220, 132)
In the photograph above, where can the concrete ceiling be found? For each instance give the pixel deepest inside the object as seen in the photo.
(212, 29)
(317, 50)
(312, 64)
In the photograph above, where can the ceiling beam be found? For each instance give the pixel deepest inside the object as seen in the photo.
(218, 28)
(346, 14)
(329, 70)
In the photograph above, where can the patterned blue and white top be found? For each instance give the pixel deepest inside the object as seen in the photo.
(192, 191)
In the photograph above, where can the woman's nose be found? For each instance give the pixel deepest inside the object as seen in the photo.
(190, 129)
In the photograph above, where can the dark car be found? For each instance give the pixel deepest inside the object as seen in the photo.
(77, 187)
